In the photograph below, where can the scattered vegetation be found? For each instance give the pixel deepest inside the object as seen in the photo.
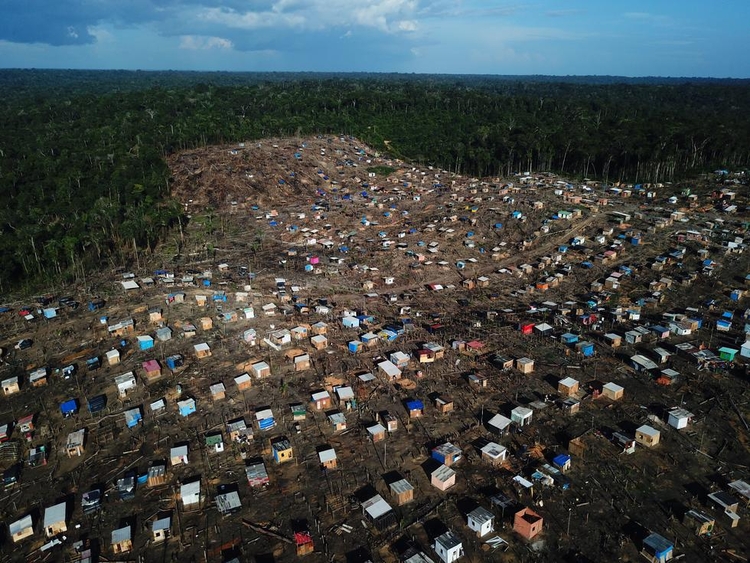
(381, 170)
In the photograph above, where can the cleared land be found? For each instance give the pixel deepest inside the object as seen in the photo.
(415, 256)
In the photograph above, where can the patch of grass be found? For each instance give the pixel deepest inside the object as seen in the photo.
(382, 170)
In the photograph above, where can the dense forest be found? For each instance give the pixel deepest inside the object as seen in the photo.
(82, 166)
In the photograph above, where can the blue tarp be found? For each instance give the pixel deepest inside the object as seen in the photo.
(174, 361)
(132, 418)
(561, 460)
(69, 407)
(266, 423)
(187, 409)
(569, 338)
(414, 405)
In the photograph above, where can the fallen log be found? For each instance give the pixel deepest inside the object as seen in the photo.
(266, 531)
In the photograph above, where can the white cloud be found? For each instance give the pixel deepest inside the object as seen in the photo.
(100, 34)
(389, 16)
(480, 9)
(406, 25)
(200, 42)
(250, 20)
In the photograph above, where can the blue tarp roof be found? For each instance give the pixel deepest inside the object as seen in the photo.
(69, 406)
(659, 544)
(266, 423)
(414, 405)
(561, 459)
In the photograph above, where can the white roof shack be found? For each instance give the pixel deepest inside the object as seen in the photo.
(399, 357)
(202, 349)
(521, 415)
(376, 429)
(54, 518)
(679, 418)
(376, 507)
(568, 382)
(190, 493)
(494, 451)
(326, 456)
(22, 528)
(345, 393)
(320, 396)
(499, 423)
(742, 488)
(613, 388)
(125, 383)
(389, 369)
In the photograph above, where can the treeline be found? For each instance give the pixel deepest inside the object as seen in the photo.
(82, 166)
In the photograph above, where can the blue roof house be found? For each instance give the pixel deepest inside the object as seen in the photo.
(569, 338)
(69, 407)
(657, 549)
(186, 407)
(133, 417)
(415, 408)
(723, 325)
(174, 361)
(562, 462)
(586, 348)
(446, 453)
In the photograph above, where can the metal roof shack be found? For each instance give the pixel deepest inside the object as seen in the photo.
(379, 512)
(227, 501)
(257, 475)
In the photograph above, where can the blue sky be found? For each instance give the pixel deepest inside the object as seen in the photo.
(575, 37)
